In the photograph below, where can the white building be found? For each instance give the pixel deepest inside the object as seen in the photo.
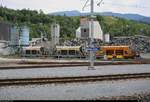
(55, 33)
(85, 28)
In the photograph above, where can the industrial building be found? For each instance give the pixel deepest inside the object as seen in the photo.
(12, 37)
(84, 30)
(40, 47)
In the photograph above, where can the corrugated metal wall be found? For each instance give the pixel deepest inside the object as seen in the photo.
(5, 31)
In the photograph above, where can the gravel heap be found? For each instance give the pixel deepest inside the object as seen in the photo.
(79, 42)
(138, 43)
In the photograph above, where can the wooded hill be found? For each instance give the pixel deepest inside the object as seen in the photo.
(40, 22)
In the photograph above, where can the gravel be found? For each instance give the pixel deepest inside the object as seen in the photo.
(73, 71)
(121, 89)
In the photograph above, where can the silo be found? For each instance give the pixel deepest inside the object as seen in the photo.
(24, 36)
(14, 36)
(5, 31)
(55, 33)
(107, 38)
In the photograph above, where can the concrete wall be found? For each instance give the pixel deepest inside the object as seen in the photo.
(84, 32)
(3, 50)
(98, 33)
(78, 32)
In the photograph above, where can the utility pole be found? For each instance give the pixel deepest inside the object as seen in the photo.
(91, 33)
(1, 3)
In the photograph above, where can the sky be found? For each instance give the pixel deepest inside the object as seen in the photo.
(141, 7)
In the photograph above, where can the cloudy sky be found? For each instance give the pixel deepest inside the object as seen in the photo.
(119, 6)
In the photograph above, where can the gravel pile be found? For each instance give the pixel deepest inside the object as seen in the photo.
(79, 42)
(138, 43)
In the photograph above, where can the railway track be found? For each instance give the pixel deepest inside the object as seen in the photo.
(27, 81)
(33, 65)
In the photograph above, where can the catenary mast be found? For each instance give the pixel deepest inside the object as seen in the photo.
(91, 34)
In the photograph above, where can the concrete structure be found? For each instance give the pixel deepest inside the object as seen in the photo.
(24, 36)
(55, 33)
(35, 41)
(42, 42)
(107, 38)
(85, 28)
(9, 36)
(98, 33)
(78, 32)
(4, 49)
(5, 31)
(38, 48)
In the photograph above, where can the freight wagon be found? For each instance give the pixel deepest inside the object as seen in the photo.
(69, 51)
(119, 52)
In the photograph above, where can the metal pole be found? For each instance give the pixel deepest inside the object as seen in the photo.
(91, 33)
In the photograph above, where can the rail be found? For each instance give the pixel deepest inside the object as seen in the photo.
(29, 81)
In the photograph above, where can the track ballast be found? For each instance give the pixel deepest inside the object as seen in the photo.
(28, 81)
